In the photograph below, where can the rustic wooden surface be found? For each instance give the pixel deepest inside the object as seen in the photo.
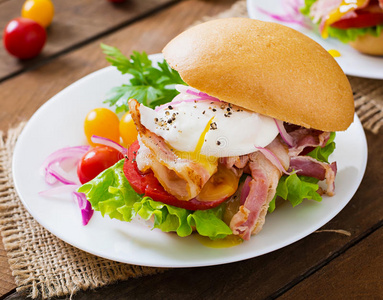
(321, 266)
(75, 24)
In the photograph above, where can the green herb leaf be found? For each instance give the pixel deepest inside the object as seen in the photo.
(150, 85)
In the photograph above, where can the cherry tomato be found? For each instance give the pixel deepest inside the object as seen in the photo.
(95, 161)
(128, 131)
(24, 38)
(41, 11)
(102, 122)
(148, 184)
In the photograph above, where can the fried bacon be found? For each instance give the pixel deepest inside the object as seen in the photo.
(182, 178)
(265, 177)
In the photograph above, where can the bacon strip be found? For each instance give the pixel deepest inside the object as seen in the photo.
(307, 139)
(185, 178)
(182, 178)
(322, 8)
(308, 166)
(265, 177)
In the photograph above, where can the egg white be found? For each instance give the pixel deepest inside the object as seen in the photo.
(233, 130)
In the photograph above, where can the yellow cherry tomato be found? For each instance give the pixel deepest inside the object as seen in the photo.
(128, 131)
(41, 11)
(102, 122)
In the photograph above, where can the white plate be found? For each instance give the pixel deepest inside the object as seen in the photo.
(351, 61)
(58, 123)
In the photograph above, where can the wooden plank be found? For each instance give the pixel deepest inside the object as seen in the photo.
(258, 278)
(74, 23)
(42, 83)
(358, 274)
(7, 282)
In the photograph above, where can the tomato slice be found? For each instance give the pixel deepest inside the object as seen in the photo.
(147, 184)
(360, 21)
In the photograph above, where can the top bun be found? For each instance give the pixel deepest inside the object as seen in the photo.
(267, 68)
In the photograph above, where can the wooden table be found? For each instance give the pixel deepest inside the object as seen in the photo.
(321, 266)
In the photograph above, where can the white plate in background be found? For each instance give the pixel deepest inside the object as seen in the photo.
(351, 61)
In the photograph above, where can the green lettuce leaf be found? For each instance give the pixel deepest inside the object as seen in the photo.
(111, 194)
(351, 34)
(296, 188)
(322, 154)
(305, 10)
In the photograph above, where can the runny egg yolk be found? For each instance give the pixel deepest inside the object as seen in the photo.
(209, 163)
(345, 7)
(202, 137)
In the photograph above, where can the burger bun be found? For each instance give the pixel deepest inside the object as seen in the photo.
(369, 44)
(265, 67)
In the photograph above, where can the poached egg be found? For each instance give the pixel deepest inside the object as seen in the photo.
(208, 126)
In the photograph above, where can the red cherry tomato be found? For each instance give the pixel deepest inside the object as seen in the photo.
(95, 161)
(24, 38)
(148, 184)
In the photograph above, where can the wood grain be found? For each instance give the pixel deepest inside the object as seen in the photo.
(7, 282)
(358, 274)
(269, 275)
(74, 23)
(149, 35)
(42, 83)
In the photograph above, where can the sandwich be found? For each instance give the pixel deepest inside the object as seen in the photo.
(255, 123)
(357, 22)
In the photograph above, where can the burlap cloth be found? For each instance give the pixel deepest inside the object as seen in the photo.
(44, 266)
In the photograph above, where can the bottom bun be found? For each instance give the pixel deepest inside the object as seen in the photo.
(369, 44)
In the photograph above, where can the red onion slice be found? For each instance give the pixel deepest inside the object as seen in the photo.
(183, 89)
(54, 171)
(85, 207)
(108, 142)
(202, 96)
(80, 198)
(273, 159)
(58, 175)
(287, 138)
(69, 188)
(52, 168)
(291, 14)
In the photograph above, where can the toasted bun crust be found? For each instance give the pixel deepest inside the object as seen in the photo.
(267, 68)
(369, 44)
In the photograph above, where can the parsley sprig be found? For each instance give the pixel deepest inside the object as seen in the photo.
(150, 85)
